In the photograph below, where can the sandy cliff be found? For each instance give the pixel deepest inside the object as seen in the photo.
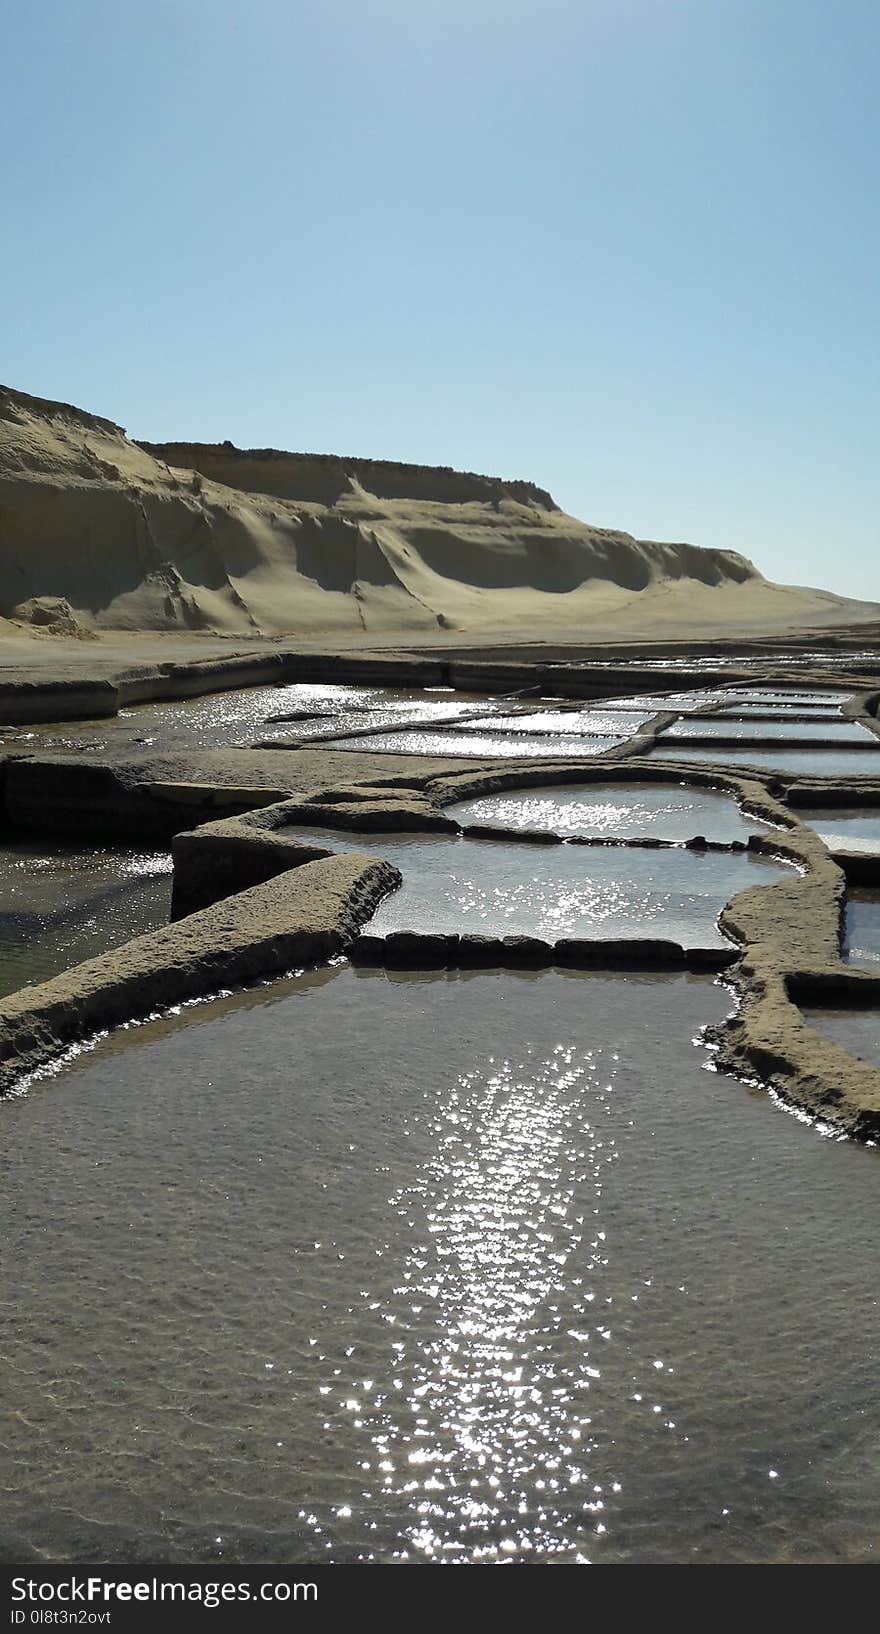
(99, 532)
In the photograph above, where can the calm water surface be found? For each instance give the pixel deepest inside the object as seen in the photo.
(800, 712)
(862, 926)
(809, 697)
(614, 810)
(807, 763)
(572, 722)
(236, 718)
(482, 745)
(856, 1030)
(831, 732)
(843, 822)
(481, 1267)
(59, 905)
(491, 888)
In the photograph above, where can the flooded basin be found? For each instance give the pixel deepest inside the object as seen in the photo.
(348, 722)
(843, 823)
(857, 1031)
(582, 722)
(446, 1268)
(764, 711)
(661, 703)
(625, 811)
(59, 905)
(758, 731)
(235, 718)
(805, 696)
(800, 762)
(481, 745)
(504, 888)
(862, 926)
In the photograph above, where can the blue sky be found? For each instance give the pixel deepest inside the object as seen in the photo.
(627, 248)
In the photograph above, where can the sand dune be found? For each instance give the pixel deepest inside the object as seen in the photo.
(99, 532)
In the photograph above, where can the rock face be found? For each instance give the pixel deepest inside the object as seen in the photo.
(100, 532)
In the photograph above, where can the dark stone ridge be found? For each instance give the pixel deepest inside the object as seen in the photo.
(524, 836)
(323, 478)
(411, 950)
(525, 950)
(614, 951)
(474, 949)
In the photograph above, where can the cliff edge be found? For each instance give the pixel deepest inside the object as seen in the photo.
(98, 532)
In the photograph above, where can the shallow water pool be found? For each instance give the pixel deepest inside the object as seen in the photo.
(844, 823)
(862, 926)
(59, 906)
(235, 718)
(662, 703)
(806, 763)
(800, 712)
(804, 696)
(467, 1268)
(615, 811)
(831, 731)
(575, 722)
(504, 888)
(481, 745)
(858, 1031)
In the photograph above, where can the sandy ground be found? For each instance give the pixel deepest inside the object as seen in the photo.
(24, 651)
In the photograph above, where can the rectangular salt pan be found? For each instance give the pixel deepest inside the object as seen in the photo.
(237, 717)
(806, 763)
(781, 696)
(843, 824)
(504, 888)
(862, 928)
(796, 712)
(857, 1031)
(575, 722)
(832, 731)
(479, 746)
(658, 703)
(391, 717)
(614, 811)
